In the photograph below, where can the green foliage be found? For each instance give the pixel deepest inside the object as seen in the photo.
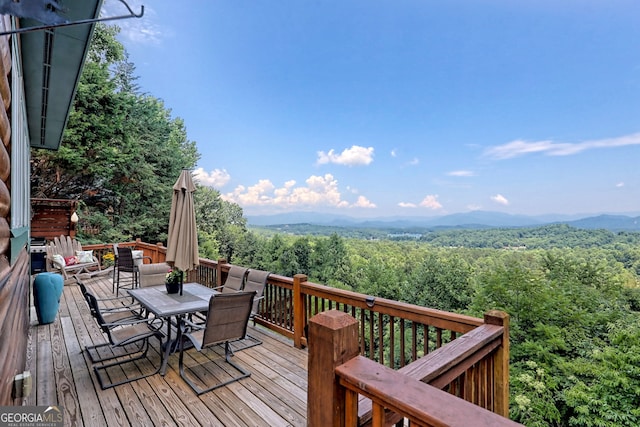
(533, 404)
(604, 386)
(221, 225)
(442, 281)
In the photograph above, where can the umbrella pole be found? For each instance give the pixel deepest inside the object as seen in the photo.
(181, 281)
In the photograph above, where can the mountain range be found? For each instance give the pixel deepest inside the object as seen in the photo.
(474, 219)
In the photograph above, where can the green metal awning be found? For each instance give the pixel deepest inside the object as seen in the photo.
(52, 62)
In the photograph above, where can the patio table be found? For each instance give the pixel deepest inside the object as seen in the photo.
(195, 298)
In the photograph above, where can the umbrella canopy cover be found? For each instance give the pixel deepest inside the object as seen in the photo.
(182, 242)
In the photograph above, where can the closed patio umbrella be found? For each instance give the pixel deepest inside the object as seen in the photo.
(182, 242)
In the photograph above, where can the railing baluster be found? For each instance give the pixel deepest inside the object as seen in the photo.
(414, 344)
(371, 341)
(392, 342)
(402, 353)
(380, 340)
(425, 338)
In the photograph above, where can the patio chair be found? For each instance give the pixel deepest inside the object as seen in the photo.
(234, 281)
(121, 334)
(125, 264)
(113, 309)
(232, 284)
(255, 282)
(227, 321)
(153, 274)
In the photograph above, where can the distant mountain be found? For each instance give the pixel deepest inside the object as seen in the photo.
(608, 222)
(316, 218)
(474, 219)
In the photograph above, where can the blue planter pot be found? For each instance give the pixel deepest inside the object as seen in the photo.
(47, 289)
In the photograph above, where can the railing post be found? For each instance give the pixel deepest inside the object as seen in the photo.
(333, 340)
(299, 310)
(156, 253)
(500, 363)
(221, 261)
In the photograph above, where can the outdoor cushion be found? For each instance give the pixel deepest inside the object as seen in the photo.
(84, 256)
(71, 260)
(58, 261)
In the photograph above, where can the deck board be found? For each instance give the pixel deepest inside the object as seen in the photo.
(274, 394)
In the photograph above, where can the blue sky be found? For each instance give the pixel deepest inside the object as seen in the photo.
(411, 108)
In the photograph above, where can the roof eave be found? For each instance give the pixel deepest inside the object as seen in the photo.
(52, 62)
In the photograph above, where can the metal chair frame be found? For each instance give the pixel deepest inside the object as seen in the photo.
(121, 333)
(227, 320)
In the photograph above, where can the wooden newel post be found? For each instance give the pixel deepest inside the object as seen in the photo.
(333, 340)
(221, 262)
(500, 363)
(157, 253)
(299, 308)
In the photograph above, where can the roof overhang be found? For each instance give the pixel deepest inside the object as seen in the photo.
(52, 62)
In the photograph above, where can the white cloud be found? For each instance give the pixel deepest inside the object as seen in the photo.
(394, 153)
(353, 156)
(520, 148)
(620, 185)
(499, 198)
(414, 162)
(363, 202)
(461, 173)
(431, 202)
(407, 205)
(216, 178)
(144, 31)
(318, 191)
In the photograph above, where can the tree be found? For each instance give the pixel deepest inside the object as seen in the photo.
(442, 282)
(331, 260)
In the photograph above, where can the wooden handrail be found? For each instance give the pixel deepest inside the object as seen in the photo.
(448, 363)
(422, 404)
(338, 375)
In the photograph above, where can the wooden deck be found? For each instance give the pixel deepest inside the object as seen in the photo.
(274, 395)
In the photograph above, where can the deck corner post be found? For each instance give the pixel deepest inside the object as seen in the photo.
(221, 262)
(500, 363)
(299, 309)
(333, 340)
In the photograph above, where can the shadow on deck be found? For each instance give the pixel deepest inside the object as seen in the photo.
(274, 395)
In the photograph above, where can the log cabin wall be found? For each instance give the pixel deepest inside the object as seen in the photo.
(14, 259)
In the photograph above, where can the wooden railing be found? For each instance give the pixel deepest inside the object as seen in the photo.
(462, 355)
(346, 389)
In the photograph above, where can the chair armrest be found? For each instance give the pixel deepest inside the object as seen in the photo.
(123, 308)
(130, 322)
(188, 326)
